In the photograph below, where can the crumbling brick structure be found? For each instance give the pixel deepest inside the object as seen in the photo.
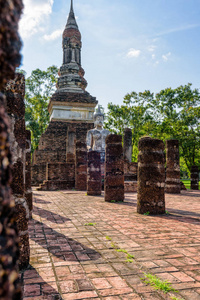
(130, 168)
(173, 169)
(15, 91)
(28, 189)
(9, 59)
(114, 169)
(151, 176)
(81, 167)
(59, 176)
(94, 183)
(71, 108)
(194, 178)
(127, 145)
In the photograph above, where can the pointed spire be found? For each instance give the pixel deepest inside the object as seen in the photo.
(71, 22)
(98, 112)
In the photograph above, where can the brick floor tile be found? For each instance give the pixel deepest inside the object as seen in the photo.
(80, 295)
(115, 291)
(68, 286)
(183, 277)
(32, 290)
(117, 282)
(101, 283)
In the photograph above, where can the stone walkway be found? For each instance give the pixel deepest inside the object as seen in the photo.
(72, 260)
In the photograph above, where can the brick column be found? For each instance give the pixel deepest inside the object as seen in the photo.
(28, 189)
(114, 169)
(173, 185)
(194, 178)
(94, 174)
(81, 167)
(151, 176)
(15, 91)
(9, 60)
(128, 144)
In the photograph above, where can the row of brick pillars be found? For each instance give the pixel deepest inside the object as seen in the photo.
(152, 184)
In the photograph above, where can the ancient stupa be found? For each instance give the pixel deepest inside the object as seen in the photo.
(71, 108)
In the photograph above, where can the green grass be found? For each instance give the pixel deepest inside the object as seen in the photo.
(129, 257)
(187, 183)
(157, 283)
(122, 250)
(175, 298)
(147, 213)
(90, 224)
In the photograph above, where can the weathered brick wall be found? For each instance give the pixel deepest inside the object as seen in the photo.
(94, 174)
(81, 166)
(130, 171)
(194, 178)
(173, 169)
(28, 189)
(38, 174)
(114, 169)
(9, 250)
(59, 176)
(55, 142)
(60, 171)
(9, 59)
(127, 145)
(15, 91)
(151, 176)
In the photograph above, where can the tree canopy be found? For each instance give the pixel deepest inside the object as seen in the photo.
(39, 88)
(169, 114)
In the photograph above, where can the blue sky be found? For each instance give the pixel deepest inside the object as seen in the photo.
(128, 45)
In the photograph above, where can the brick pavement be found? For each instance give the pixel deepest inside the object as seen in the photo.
(70, 260)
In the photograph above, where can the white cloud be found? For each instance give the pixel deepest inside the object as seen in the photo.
(153, 56)
(165, 57)
(178, 29)
(151, 48)
(54, 35)
(133, 53)
(34, 17)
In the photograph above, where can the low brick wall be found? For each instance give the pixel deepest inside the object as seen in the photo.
(59, 176)
(38, 174)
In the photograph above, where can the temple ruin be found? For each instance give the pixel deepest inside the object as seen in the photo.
(71, 110)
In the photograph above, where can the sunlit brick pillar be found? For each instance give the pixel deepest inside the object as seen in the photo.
(81, 167)
(194, 178)
(9, 60)
(14, 92)
(128, 145)
(94, 174)
(28, 189)
(114, 169)
(151, 176)
(173, 169)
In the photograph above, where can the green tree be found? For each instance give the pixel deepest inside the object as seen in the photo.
(39, 88)
(134, 114)
(172, 113)
(179, 118)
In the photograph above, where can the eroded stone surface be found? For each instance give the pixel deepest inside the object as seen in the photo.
(15, 91)
(151, 176)
(94, 173)
(173, 168)
(81, 167)
(194, 178)
(114, 169)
